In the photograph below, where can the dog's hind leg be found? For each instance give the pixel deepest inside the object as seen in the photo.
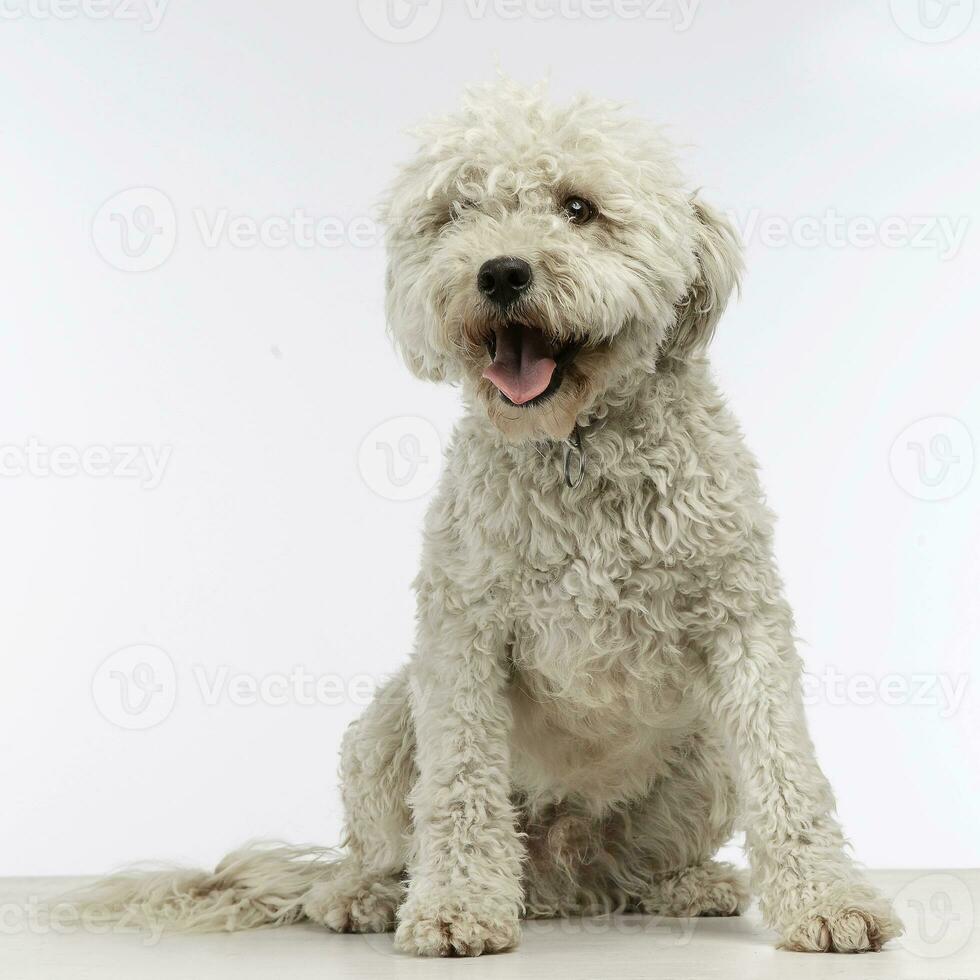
(688, 815)
(377, 772)
(651, 855)
(709, 889)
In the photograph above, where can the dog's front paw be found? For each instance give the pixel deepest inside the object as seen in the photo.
(845, 924)
(455, 929)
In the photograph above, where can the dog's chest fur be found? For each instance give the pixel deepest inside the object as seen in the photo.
(602, 591)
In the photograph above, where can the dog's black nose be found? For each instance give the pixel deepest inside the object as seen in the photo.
(503, 279)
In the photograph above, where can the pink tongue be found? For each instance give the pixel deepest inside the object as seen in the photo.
(522, 365)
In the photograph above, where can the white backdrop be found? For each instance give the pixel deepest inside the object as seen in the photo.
(192, 374)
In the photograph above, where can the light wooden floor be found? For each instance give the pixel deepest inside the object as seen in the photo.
(939, 909)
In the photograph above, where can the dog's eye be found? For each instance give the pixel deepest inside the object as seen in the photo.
(578, 210)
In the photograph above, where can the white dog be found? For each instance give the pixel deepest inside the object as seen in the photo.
(605, 680)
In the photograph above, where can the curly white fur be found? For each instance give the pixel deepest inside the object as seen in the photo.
(605, 678)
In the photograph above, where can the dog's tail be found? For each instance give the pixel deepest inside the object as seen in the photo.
(261, 884)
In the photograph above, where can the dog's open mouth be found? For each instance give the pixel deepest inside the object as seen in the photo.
(526, 366)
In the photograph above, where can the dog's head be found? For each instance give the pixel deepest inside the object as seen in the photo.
(547, 257)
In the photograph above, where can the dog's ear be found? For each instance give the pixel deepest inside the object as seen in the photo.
(406, 330)
(407, 326)
(719, 268)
